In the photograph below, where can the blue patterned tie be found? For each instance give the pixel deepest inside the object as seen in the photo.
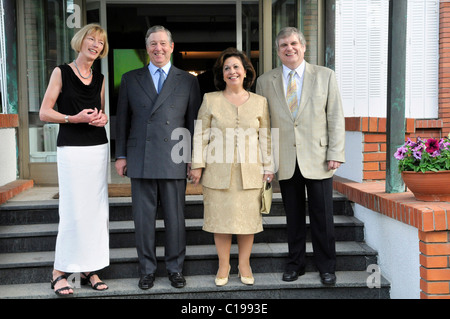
(162, 78)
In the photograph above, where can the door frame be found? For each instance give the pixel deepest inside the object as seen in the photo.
(46, 173)
(102, 6)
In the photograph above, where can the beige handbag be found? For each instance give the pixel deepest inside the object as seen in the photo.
(266, 198)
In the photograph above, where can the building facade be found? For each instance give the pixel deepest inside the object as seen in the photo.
(349, 36)
(201, 30)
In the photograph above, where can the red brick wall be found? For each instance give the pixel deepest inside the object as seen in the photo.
(427, 129)
(9, 120)
(435, 263)
(432, 220)
(374, 140)
(10, 190)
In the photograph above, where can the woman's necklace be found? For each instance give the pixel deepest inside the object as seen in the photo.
(84, 77)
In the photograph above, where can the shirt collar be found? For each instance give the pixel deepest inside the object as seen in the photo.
(152, 68)
(299, 70)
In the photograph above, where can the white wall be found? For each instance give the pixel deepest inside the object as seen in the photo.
(397, 245)
(353, 166)
(8, 162)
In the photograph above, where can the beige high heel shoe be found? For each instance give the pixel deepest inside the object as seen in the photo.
(222, 281)
(246, 280)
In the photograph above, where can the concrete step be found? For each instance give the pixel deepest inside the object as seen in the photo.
(268, 286)
(33, 267)
(28, 234)
(42, 237)
(46, 211)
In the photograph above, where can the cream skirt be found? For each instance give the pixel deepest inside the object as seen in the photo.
(82, 243)
(234, 210)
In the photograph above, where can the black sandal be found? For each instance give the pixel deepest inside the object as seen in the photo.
(66, 288)
(87, 281)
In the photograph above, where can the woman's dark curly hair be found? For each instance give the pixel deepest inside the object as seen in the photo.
(219, 82)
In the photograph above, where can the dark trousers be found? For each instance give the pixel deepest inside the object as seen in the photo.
(146, 194)
(320, 204)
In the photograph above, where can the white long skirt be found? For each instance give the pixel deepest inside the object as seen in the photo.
(82, 244)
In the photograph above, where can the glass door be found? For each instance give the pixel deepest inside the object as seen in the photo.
(302, 14)
(47, 46)
(248, 30)
(200, 32)
(45, 28)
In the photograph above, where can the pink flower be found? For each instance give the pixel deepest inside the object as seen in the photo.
(443, 144)
(401, 152)
(432, 145)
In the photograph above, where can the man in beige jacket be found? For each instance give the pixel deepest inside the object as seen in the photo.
(307, 111)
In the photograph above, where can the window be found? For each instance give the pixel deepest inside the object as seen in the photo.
(47, 46)
(361, 57)
(3, 87)
(422, 57)
(302, 14)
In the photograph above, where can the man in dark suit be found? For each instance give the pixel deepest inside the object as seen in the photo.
(156, 103)
(305, 105)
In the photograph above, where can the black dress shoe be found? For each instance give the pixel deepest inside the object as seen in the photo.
(292, 275)
(177, 280)
(328, 278)
(146, 281)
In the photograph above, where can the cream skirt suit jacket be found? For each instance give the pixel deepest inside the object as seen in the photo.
(233, 146)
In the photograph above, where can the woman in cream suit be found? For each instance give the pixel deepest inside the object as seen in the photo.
(232, 157)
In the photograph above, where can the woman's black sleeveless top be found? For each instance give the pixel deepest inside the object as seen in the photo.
(74, 97)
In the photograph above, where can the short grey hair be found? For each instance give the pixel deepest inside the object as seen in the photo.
(158, 28)
(288, 31)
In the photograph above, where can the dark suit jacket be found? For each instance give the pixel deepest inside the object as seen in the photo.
(148, 124)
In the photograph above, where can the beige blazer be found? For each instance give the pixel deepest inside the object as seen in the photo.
(317, 134)
(225, 134)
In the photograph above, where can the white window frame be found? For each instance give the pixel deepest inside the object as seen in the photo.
(361, 57)
(3, 87)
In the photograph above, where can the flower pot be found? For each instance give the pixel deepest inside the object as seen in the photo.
(428, 186)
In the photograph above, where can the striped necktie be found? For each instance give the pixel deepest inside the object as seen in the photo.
(291, 94)
(162, 78)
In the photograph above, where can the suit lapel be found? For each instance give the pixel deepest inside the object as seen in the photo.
(146, 82)
(277, 83)
(307, 87)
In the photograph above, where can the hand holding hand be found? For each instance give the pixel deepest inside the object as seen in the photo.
(195, 175)
(101, 120)
(85, 116)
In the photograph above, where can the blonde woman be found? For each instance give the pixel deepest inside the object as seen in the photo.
(82, 244)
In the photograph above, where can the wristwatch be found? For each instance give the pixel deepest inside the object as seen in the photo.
(66, 118)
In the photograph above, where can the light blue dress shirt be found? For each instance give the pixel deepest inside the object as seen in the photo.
(155, 74)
